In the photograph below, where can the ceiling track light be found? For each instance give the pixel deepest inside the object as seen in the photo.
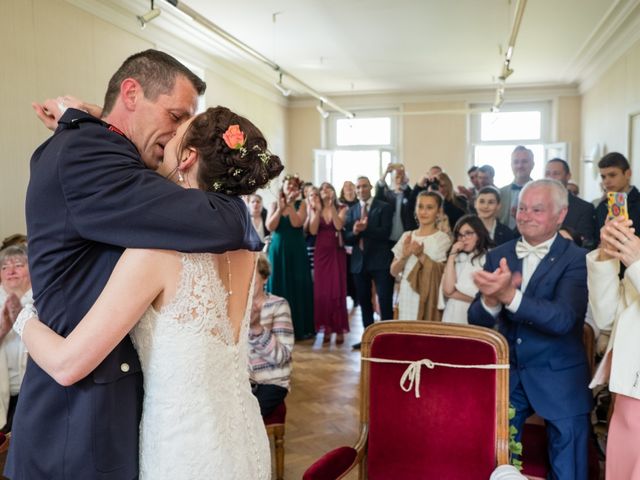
(281, 88)
(216, 30)
(320, 108)
(149, 16)
(506, 65)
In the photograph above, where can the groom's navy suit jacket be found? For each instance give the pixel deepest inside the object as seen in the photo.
(89, 197)
(546, 352)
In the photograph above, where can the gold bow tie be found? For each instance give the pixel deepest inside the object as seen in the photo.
(523, 250)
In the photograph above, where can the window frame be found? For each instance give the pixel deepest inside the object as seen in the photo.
(331, 126)
(544, 107)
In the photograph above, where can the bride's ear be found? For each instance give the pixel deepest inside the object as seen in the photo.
(189, 159)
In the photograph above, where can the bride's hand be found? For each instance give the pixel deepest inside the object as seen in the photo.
(48, 112)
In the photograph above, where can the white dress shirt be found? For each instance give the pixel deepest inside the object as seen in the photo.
(368, 204)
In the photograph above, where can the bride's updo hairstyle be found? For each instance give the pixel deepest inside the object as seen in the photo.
(233, 153)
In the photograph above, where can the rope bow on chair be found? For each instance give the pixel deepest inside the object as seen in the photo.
(411, 374)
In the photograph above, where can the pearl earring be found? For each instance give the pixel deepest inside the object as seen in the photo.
(180, 177)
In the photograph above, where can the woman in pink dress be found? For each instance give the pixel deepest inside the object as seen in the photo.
(330, 265)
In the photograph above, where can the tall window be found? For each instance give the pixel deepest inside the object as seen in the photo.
(364, 145)
(495, 135)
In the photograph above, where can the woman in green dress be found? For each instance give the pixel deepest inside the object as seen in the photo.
(291, 277)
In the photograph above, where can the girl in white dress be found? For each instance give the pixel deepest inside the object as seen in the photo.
(189, 314)
(416, 246)
(467, 255)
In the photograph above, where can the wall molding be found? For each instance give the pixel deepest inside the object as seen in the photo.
(610, 39)
(481, 96)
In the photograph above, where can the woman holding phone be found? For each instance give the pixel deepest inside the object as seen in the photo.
(615, 304)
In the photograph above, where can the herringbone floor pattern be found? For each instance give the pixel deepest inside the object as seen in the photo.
(322, 408)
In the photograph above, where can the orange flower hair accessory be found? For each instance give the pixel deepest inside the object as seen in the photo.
(234, 137)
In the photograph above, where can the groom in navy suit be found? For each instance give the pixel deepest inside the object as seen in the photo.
(535, 288)
(92, 193)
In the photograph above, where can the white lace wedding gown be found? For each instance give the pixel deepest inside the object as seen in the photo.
(199, 420)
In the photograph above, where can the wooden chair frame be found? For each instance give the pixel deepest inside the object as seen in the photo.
(446, 330)
(276, 430)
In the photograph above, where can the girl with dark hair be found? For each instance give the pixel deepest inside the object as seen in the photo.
(467, 255)
(188, 314)
(330, 265)
(426, 246)
(291, 276)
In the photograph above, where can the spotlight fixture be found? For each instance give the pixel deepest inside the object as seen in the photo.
(283, 90)
(320, 108)
(499, 100)
(506, 70)
(149, 16)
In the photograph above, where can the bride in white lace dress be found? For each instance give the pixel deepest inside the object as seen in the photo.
(189, 313)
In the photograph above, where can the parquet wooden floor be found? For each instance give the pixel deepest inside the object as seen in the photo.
(322, 407)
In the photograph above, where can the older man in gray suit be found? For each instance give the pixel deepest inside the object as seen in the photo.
(521, 165)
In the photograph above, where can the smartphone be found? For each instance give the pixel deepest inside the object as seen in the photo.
(617, 205)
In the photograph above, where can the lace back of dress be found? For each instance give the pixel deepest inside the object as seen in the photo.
(201, 299)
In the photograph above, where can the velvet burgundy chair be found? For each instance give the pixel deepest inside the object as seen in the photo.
(535, 456)
(274, 424)
(458, 427)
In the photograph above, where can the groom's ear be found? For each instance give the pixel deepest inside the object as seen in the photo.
(130, 91)
(189, 159)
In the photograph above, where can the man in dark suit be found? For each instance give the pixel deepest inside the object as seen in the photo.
(580, 214)
(91, 194)
(367, 228)
(535, 288)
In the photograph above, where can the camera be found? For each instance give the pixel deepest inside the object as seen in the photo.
(433, 185)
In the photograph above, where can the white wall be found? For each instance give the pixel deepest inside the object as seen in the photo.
(606, 108)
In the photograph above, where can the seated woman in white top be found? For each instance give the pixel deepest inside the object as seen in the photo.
(15, 292)
(467, 255)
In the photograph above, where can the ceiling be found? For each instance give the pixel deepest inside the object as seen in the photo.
(400, 46)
